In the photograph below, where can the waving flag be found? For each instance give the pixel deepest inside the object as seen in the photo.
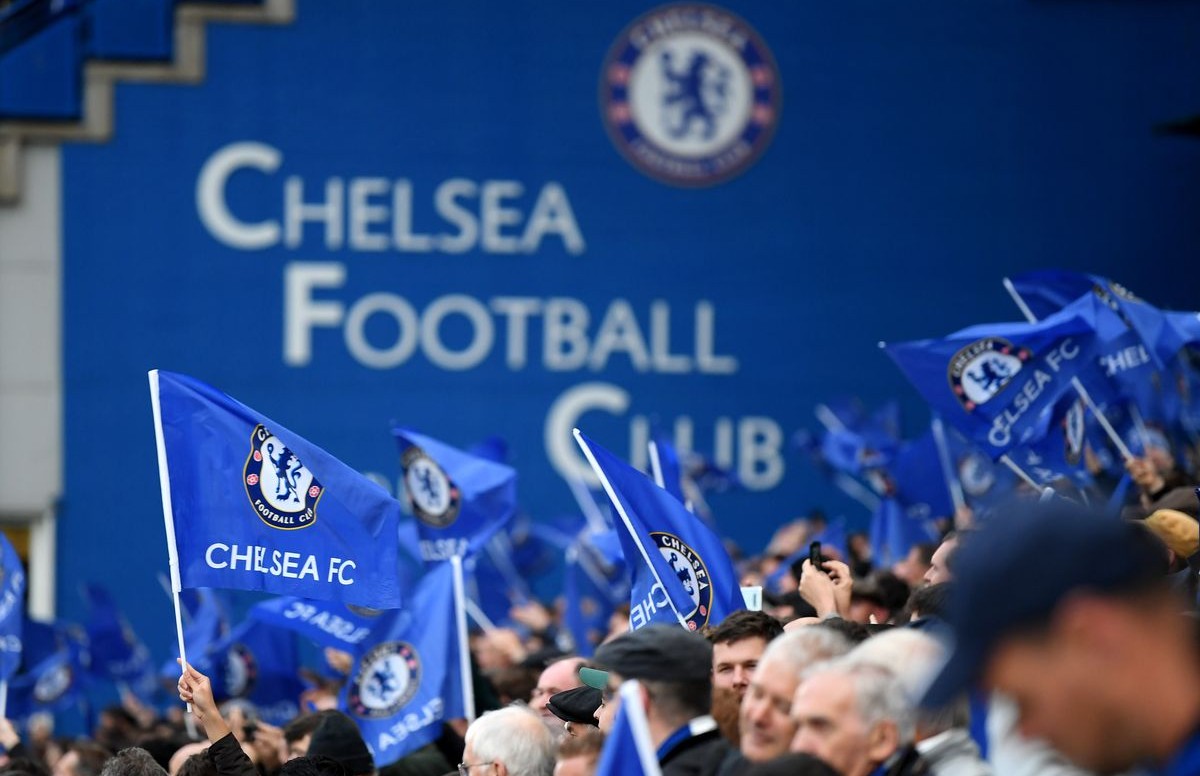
(12, 608)
(985, 484)
(55, 683)
(664, 461)
(259, 663)
(1057, 450)
(993, 381)
(894, 533)
(253, 506)
(593, 585)
(410, 678)
(327, 623)
(206, 625)
(920, 483)
(628, 749)
(116, 651)
(460, 500)
(681, 572)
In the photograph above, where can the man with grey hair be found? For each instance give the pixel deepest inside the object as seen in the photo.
(765, 721)
(133, 761)
(942, 736)
(508, 742)
(857, 718)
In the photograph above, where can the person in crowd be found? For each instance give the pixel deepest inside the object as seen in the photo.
(338, 738)
(298, 732)
(942, 736)
(674, 668)
(766, 727)
(939, 563)
(916, 564)
(1069, 614)
(575, 709)
(81, 758)
(512, 741)
(578, 755)
(562, 674)
(133, 761)
(738, 643)
(857, 718)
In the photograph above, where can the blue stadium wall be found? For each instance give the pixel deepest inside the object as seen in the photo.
(417, 212)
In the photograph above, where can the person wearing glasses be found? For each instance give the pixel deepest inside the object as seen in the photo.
(511, 741)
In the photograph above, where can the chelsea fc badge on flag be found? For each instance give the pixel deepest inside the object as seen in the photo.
(283, 492)
(434, 497)
(387, 678)
(689, 569)
(982, 369)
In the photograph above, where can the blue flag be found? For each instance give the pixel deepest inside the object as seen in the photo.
(460, 500)
(664, 460)
(894, 533)
(327, 623)
(993, 381)
(206, 625)
(410, 679)
(918, 478)
(256, 507)
(1057, 450)
(12, 608)
(628, 749)
(985, 484)
(593, 584)
(681, 573)
(259, 663)
(56, 683)
(116, 651)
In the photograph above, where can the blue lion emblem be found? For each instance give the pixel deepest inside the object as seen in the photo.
(991, 375)
(698, 92)
(683, 571)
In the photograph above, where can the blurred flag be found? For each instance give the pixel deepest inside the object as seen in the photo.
(409, 679)
(256, 507)
(629, 749)
(1057, 450)
(993, 381)
(259, 663)
(894, 533)
(56, 683)
(918, 479)
(681, 572)
(460, 500)
(206, 625)
(116, 651)
(664, 464)
(328, 623)
(12, 608)
(593, 584)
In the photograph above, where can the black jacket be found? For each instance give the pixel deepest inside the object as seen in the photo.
(700, 755)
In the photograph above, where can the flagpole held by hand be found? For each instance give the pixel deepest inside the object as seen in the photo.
(464, 654)
(164, 481)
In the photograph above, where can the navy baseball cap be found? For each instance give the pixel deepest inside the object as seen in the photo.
(1010, 575)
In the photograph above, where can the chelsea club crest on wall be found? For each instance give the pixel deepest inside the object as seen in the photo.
(690, 94)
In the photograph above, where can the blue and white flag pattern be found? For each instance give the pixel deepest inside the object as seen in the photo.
(257, 507)
(409, 679)
(681, 573)
(12, 608)
(459, 500)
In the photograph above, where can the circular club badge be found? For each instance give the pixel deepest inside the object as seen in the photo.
(387, 678)
(690, 94)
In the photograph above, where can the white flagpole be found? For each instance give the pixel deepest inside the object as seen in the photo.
(612, 496)
(164, 482)
(481, 619)
(1017, 470)
(464, 650)
(951, 477)
(587, 505)
(1140, 424)
(1083, 394)
(656, 465)
(4, 698)
(856, 490)
(631, 706)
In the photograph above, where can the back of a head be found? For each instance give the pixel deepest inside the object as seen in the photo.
(799, 649)
(914, 658)
(313, 766)
(338, 737)
(198, 765)
(133, 761)
(516, 737)
(791, 764)
(90, 757)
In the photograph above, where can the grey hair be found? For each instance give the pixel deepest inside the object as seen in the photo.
(797, 650)
(915, 657)
(134, 761)
(516, 737)
(879, 694)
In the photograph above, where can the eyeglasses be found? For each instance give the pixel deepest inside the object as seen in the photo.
(464, 769)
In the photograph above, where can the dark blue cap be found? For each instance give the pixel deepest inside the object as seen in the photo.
(1011, 574)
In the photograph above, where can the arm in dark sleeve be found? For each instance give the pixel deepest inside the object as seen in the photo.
(227, 757)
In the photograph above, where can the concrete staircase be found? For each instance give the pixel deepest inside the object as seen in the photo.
(96, 123)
